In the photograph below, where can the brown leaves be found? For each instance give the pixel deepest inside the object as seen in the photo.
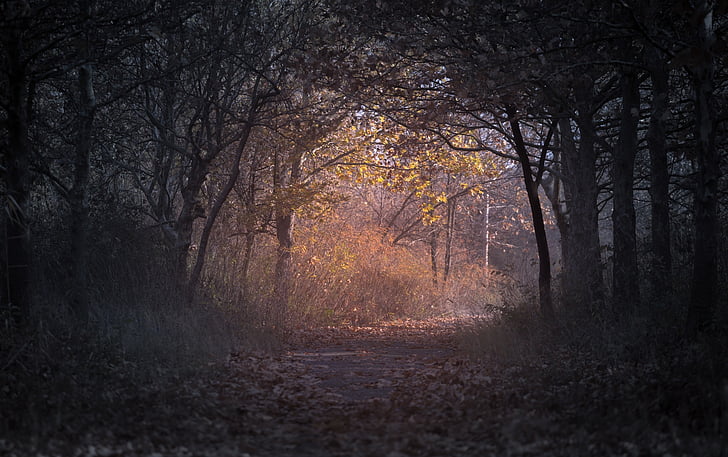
(399, 389)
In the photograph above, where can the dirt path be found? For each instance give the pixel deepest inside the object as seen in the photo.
(355, 391)
(352, 392)
(398, 390)
(367, 363)
(403, 390)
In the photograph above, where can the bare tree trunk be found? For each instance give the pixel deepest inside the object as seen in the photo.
(704, 293)
(625, 293)
(78, 195)
(160, 111)
(659, 180)
(552, 187)
(214, 211)
(433, 255)
(487, 230)
(449, 232)
(539, 228)
(570, 273)
(165, 155)
(584, 284)
(191, 210)
(285, 221)
(248, 197)
(16, 164)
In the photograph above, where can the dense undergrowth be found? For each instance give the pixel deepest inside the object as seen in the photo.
(618, 376)
(140, 335)
(58, 374)
(55, 366)
(353, 275)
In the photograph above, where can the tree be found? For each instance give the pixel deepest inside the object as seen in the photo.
(287, 34)
(659, 176)
(703, 294)
(311, 117)
(656, 64)
(215, 75)
(17, 101)
(42, 43)
(485, 56)
(625, 289)
(432, 177)
(532, 184)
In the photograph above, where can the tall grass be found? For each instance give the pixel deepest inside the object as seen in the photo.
(138, 332)
(358, 276)
(343, 274)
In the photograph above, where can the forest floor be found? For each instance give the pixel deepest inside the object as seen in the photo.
(393, 390)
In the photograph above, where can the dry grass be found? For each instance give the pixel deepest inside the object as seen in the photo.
(347, 275)
(351, 275)
(635, 372)
(138, 333)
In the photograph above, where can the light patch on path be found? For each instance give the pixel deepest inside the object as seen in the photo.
(370, 366)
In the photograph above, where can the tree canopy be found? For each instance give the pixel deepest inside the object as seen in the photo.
(203, 123)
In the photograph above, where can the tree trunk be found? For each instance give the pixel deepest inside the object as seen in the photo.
(433, 255)
(487, 231)
(659, 180)
(285, 220)
(166, 154)
(570, 273)
(161, 115)
(449, 232)
(16, 162)
(78, 195)
(584, 283)
(552, 187)
(248, 199)
(214, 211)
(539, 228)
(191, 210)
(625, 293)
(704, 294)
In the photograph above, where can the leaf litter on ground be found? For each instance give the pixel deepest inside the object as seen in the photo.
(397, 389)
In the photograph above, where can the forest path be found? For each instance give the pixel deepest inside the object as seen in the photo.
(395, 390)
(356, 392)
(403, 389)
(389, 390)
(367, 363)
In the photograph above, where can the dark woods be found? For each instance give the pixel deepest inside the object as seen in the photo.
(158, 155)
